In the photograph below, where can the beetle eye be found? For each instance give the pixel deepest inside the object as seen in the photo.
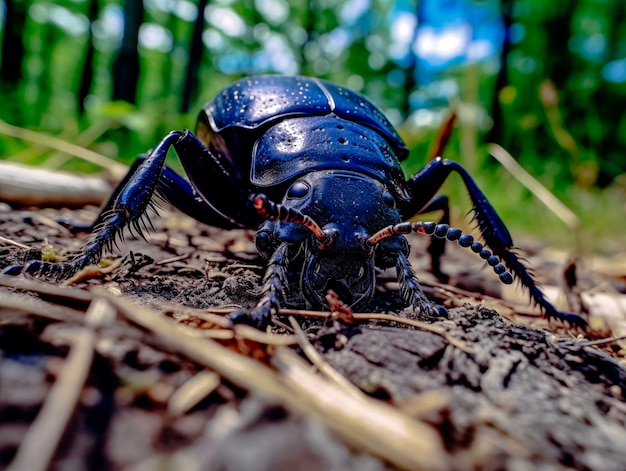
(298, 190)
(389, 200)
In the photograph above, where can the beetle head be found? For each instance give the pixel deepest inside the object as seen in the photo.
(345, 209)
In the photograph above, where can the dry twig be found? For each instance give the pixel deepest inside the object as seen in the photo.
(115, 169)
(192, 392)
(435, 329)
(366, 423)
(6, 241)
(41, 441)
(319, 362)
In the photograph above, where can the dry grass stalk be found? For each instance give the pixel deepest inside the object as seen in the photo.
(40, 442)
(6, 241)
(366, 423)
(192, 392)
(592, 343)
(435, 329)
(24, 303)
(177, 258)
(218, 320)
(43, 436)
(221, 328)
(237, 368)
(115, 169)
(541, 192)
(246, 332)
(443, 137)
(68, 294)
(368, 317)
(322, 366)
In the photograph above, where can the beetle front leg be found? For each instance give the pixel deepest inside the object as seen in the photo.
(412, 292)
(424, 186)
(132, 199)
(133, 196)
(273, 291)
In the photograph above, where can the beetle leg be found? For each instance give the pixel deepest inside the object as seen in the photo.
(183, 196)
(438, 245)
(132, 200)
(105, 209)
(172, 188)
(424, 186)
(411, 291)
(179, 192)
(273, 291)
(133, 196)
(223, 191)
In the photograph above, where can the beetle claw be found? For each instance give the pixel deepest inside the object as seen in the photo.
(434, 310)
(259, 318)
(440, 311)
(424, 306)
(49, 270)
(13, 270)
(573, 320)
(241, 317)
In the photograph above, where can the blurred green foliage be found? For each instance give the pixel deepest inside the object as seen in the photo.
(546, 80)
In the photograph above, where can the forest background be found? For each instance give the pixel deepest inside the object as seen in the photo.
(545, 80)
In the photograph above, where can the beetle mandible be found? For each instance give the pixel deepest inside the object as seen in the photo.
(315, 168)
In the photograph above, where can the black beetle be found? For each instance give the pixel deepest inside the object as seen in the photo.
(332, 158)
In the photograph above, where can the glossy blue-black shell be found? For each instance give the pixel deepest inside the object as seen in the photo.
(271, 129)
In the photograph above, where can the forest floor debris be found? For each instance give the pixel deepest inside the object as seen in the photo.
(153, 375)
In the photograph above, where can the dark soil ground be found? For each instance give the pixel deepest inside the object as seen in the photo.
(496, 393)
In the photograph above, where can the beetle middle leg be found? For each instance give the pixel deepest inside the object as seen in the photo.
(437, 245)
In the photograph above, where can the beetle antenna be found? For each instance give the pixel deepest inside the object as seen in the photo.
(443, 231)
(277, 212)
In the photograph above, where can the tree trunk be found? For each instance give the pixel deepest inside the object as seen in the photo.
(126, 66)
